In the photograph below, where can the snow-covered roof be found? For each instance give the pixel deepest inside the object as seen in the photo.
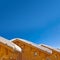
(10, 44)
(49, 47)
(35, 45)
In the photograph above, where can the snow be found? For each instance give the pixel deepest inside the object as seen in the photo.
(10, 44)
(46, 46)
(46, 49)
(35, 45)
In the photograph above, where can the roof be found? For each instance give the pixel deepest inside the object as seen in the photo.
(35, 45)
(10, 44)
(49, 47)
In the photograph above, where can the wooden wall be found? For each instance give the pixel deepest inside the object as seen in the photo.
(8, 53)
(55, 55)
(30, 52)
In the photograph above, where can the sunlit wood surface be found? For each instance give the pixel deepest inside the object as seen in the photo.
(8, 53)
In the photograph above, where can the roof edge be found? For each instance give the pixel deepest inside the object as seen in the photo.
(10, 44)
(47, 46)
(35, 45)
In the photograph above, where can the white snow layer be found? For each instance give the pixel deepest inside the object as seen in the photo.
(10, 44)
(46, 46)
(35, 45)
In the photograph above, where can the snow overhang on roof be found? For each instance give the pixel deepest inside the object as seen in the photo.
(10, 44)
(49, 47)
(35, 45)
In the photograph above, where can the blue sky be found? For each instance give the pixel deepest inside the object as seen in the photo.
(35, 20)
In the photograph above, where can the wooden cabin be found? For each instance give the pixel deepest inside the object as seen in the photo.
(31, 51)
(20, 49)
(55, 52)
(9, 50)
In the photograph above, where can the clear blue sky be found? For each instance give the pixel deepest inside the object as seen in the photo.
(35, 20)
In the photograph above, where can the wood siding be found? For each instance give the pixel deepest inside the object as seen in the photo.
(8, 53)
(30, 52)
(55, 55)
